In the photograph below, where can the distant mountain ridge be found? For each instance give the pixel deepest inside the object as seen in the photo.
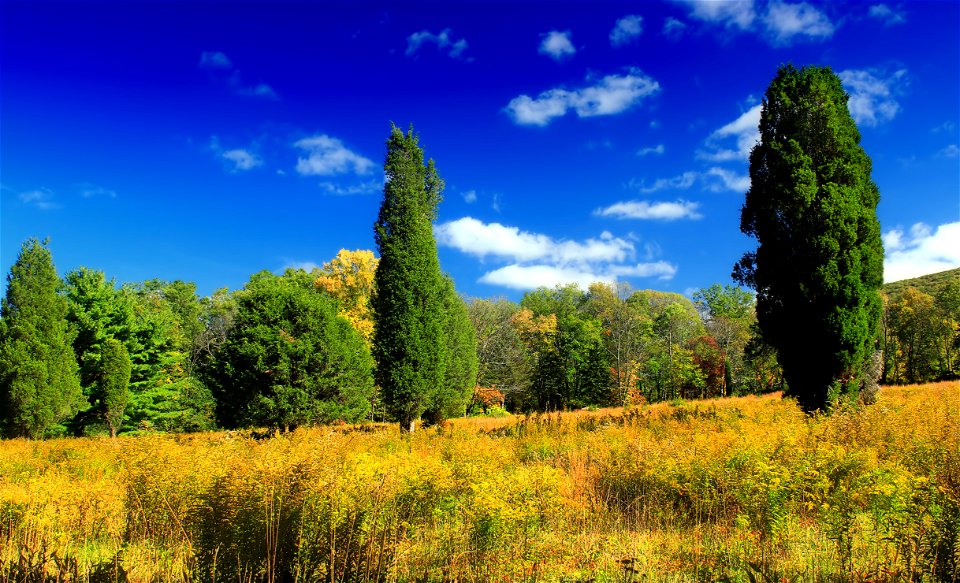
(929, 284)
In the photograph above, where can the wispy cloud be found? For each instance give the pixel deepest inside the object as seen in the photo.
(785, 22)
(443, 41)
(721, 179)
(327, 156)
(626, 30)
(535, 260)
(41, 198)
(888, 16)
(88, 190)
(745, 132)
(714, 179)
(469, 196)
(873, 94)
(369, 187)
(557, 45)
(679, 182)
(672, 28)
(221, 68)
(920, 251)
(950, 151)
(657, 150)
(647, 210)
(612, 95)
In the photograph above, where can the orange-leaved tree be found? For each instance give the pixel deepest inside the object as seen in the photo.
(348, 278)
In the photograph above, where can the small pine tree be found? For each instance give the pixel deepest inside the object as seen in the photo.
(408, 300)
(114, 382)
(818, 266)
(39, 383)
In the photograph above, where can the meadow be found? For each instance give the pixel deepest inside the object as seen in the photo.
(738, 489)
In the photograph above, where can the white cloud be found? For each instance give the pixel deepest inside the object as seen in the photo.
(872, 97)
(242, 159)
(42, 198)
(786, 21)
(369, 187)
(658, 211)
(738, 14)
(557, 45)
(327, 156)
(260, 90)
(88, 190)
(611, 95)
(627, 29)
(728, 180)
(444, 42)
(920, 252)
(681, 182)
(214, 60)
(535, 260)
(885, 14)
(672, 28)
(745, 130)
(950, 151)
(469, 196)
(659, 149)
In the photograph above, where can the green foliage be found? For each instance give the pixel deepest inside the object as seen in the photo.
(408, 301)
(819, 261)
(39, 384)
(114, 382)
(932, 283)
(728, 313)
(289, 359)
(460, 378)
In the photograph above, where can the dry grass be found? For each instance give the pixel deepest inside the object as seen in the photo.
(741, 489)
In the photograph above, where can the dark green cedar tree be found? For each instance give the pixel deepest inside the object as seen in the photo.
(408, 300)
(39, 383)
(114, 382)
(818, 265)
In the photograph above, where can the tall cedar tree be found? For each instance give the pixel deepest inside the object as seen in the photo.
(818, 266)
(114, 382)
(408, 300)
(39, 384)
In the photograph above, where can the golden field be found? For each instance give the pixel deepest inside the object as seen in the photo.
(739, 489)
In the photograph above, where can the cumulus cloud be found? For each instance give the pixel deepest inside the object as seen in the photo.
(733, 14)
(444, 42)
(873, 94)
(535, 260)
(657, 211)
(612, 95)
(888, 16)
(657, 150)
(626, 30)
(720, 179)
(557, 45)
(744, 132)
(327, 156)
(920, 251)
(784, 22)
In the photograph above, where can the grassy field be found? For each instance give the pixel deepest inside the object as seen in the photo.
(741, 489)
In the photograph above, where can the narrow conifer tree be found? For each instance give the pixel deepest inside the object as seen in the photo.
(114, 382)
(408, 300)
(818, 266)
(39, 382)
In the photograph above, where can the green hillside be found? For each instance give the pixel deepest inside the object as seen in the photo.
(929, 284)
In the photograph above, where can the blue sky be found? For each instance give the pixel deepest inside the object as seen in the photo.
(578, 141)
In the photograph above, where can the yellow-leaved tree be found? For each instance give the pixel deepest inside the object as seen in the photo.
(348, 278)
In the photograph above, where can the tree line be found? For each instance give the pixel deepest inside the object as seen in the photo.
(389, 338)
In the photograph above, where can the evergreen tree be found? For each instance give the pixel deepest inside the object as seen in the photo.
(453, 397)
(39, 385)
(114, 382)
(289, 359)
(818, 266)
(408, 300)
